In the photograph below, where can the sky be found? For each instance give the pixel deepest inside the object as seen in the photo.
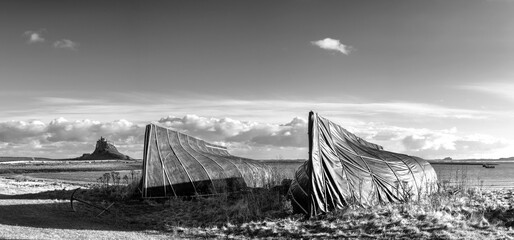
(431, 78)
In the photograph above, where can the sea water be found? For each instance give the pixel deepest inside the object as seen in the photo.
(500, 177)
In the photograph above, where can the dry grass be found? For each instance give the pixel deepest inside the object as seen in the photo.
(455, 212)
(472, 215)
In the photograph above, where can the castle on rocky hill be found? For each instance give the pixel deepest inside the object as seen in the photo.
(104, 150)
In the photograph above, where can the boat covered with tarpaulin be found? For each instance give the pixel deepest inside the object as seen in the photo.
(345, 170)
(176, 164)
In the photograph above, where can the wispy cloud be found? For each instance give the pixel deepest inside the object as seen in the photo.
(65, 101)
(35, 36)
(500, 89)
(66, 44)
(147, 107)
(333, 45)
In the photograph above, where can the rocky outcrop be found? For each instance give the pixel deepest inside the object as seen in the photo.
(104, 150)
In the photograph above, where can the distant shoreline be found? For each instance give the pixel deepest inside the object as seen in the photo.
(466, 163)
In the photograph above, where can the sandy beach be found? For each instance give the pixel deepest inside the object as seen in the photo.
(40, 209)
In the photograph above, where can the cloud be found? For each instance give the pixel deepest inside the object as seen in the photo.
(292, 134)
(151, 106)
(500, 89)
(35, 36)
(63, 138)
(19, 131)
(434, 140)
(65, 101)
(434, 143)
(86, 130)
(333, 45)
(253, 139)
(66, 44)
(383, 123)
(247, 138)
(440, 146)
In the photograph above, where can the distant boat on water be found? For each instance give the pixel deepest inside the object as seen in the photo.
(486, 165)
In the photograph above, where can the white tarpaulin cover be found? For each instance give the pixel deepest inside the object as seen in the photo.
(344, 169)
(175, 164)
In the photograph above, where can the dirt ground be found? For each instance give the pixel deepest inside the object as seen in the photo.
(34, 209)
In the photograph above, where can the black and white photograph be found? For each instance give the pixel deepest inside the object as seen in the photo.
(257, 119)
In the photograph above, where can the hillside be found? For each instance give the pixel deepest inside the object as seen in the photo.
(9, 159)
(472, 161)
(104, 150)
